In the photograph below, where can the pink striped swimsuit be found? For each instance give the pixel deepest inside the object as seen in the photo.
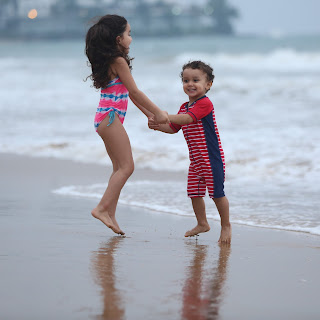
(113, 99)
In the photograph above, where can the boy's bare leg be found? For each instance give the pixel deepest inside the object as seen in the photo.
(199, 209)
(222, 205)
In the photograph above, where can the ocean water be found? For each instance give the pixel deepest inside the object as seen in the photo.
(267, 103)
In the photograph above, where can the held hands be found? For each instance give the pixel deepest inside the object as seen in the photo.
(152, 124)
(161, 117)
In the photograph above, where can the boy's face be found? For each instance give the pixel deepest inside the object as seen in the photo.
(195, 83)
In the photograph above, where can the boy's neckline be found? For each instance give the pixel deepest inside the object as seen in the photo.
(190, 104)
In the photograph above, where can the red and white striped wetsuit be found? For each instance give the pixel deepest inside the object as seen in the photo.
(207, 167)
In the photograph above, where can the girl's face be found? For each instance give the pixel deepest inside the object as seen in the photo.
(195, 83)
(124, 41)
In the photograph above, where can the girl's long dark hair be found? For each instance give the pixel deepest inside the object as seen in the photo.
(102, 48)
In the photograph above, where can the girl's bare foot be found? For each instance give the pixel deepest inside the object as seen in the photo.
(116, 224)
(225, 235)
(198, 229)
(104, 217)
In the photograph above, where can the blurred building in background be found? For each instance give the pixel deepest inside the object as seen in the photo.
(71, 18)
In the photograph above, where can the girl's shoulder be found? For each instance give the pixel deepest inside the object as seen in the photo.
(119, 65)
(120, 61)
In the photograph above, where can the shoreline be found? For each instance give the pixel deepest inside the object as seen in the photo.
(139, 174)
(59, 262)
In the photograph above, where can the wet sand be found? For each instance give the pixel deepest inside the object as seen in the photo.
(57, 262)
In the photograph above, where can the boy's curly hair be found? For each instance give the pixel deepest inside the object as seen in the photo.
(102, 49)
(200, 66)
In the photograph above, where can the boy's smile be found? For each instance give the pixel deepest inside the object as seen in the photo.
(195, 83)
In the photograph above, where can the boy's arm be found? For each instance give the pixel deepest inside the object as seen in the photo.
(176, 121)
(160, 127)
(180, 119)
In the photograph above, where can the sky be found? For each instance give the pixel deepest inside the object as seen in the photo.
(278, 16)
(275, 17)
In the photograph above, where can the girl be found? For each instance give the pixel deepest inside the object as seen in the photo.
(107, 47)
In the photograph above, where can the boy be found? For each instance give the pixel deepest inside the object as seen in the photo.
(207, 167)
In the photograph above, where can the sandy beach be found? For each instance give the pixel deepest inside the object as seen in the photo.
(57, 262)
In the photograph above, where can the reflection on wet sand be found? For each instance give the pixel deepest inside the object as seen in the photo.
(203, 289)
(104, 273)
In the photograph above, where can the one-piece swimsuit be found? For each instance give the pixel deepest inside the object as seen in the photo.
(113, 99)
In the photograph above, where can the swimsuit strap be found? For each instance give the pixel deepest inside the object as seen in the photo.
(111, 117)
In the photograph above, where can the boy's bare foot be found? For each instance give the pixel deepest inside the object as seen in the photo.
(196, 230)
(104, 217)
(225, 235)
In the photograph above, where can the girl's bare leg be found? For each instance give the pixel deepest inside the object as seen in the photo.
(112, 211)
(222, 205)
(118, 147)
(113, 207)
(199, 209)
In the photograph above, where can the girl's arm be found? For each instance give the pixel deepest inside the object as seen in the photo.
(142, 109)
(159, 127)
(121, 67)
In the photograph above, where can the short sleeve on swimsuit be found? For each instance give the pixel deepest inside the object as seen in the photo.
(201, 109)
(175, 127)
